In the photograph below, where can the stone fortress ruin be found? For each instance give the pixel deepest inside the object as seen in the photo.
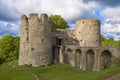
(41, 46)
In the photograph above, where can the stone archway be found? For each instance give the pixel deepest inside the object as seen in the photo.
(105, 59)
(89, 60)
(78, 54)
(67, 56)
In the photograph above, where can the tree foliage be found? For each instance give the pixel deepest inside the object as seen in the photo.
(9, 48)
(109, 42)
(58, 22)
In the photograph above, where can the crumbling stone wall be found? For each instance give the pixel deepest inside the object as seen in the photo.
(67, 36)
(80, 47)
(87, 33)
(35, 40)
(87, 58)
(115, 51)
(62, 37)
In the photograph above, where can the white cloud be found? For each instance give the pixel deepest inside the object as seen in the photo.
(111, 25)
(115, 35)
(8, 12)
(113, 13)
(69, 9)
(112, 19)
(9, 28)
(11, 10)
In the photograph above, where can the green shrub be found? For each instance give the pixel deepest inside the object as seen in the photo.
(9, 48)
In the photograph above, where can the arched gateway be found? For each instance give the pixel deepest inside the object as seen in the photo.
(105, 59)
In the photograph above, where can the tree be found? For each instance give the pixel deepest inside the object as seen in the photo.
(58, 22)
(109, 42)
(9, 48)
(16, 46)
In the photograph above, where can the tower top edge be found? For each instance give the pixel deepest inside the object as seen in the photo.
(24, 17)
(88, 20)
(34, 14)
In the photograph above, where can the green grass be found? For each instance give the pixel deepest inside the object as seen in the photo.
(10, 71)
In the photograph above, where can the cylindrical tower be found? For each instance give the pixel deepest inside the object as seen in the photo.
(88, 32)
(24, 44)
(39, 41)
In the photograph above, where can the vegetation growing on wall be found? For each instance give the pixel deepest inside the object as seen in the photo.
(109, 42)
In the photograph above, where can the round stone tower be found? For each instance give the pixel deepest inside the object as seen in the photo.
(24, 44)
(88, 32)
(37, 36)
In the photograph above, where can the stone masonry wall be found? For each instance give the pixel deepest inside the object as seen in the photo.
(35, 41)
(80, 47)
(67, 36)
(88, 58)
(88, 32)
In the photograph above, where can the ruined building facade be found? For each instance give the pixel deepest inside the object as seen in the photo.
(41, 46)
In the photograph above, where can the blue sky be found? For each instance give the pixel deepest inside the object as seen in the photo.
(107, 11)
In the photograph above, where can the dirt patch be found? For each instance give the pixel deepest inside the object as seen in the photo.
(35, 76)
(113, 77)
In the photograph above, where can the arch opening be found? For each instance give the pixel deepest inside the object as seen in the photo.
(67, 56)
(105, 59)
(89, 60)
(78, 54)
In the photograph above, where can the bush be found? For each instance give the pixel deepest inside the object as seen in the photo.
(9, 48)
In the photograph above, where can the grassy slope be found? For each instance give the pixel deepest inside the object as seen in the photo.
(53, 72)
